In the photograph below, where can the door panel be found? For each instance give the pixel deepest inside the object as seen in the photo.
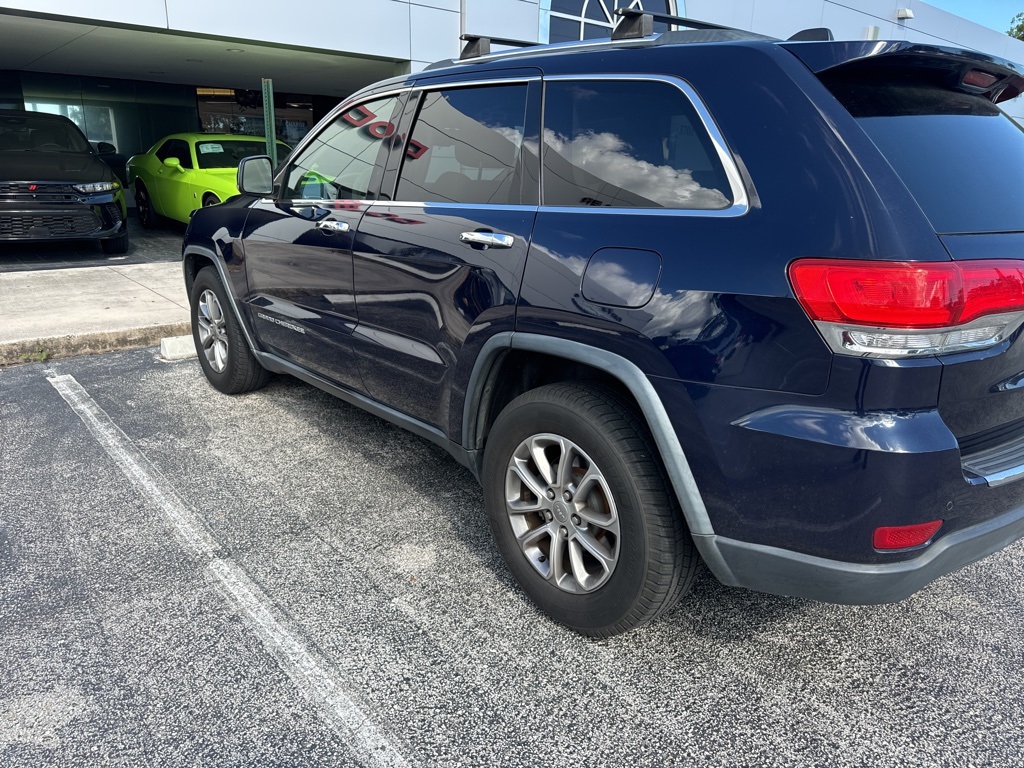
(300, 284)
(298, 248)
(437, 272)
(425, 297)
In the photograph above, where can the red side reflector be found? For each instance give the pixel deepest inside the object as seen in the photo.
(979, 79)
(905, 536)
(905, 294)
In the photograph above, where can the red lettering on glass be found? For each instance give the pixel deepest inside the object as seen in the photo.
(415, 150)
(358, 120)
(381, 129)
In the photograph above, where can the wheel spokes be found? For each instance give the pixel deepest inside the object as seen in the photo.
(562, 513)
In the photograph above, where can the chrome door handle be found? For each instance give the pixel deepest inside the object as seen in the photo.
(488, 239)
(330, 226)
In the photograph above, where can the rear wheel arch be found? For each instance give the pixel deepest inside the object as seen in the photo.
(498, 378)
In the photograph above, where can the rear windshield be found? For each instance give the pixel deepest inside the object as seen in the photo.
(960, 156)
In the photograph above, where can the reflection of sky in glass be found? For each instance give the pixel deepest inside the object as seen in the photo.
(608, 158)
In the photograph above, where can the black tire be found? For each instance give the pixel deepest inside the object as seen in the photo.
(210, 199)
(655, 556)
(116, 244)
(148, 218)
(219, 340)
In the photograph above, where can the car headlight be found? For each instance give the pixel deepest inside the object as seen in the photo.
(99, 186)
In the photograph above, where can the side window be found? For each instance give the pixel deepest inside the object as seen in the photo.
(176, 148)
(628, 143)
(465, 147)
(339, 162)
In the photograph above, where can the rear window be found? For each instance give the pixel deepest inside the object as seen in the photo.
(961, 157)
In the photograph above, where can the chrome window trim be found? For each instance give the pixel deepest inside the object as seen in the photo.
(741, 201)
(474, 83)
(471, 206)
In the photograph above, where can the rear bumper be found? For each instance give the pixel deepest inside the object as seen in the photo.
(785, 572)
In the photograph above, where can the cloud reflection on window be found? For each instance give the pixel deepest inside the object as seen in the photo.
(606, 173)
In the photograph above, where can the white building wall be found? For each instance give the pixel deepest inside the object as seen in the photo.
(419, 31)
(858, 20)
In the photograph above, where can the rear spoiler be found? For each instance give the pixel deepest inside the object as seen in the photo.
(970, 71)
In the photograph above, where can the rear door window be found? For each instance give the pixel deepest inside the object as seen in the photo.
(961, 157)
(466, 147)
(628, 143)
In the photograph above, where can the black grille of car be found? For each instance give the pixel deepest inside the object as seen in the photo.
(42, 193)
(47, 225)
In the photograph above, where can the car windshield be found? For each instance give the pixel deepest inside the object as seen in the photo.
(228, 153)
(28, 133)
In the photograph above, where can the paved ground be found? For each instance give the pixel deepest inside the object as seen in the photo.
(71, 299)
(147, 247)
(280, 579)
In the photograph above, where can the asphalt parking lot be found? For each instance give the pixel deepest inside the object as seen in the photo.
(280, 579)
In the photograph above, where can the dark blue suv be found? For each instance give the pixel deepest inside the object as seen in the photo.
(671, 297)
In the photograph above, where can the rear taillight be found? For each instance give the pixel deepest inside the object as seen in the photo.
(898, 309)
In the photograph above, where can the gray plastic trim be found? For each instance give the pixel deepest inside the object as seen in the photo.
(678, 468)
(198, 250)
(794, 574)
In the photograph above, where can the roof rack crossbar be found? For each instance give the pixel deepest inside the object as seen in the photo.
(635, 23)
(480, 45)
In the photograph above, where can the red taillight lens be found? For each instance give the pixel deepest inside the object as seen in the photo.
(905, 294)
(905, 536)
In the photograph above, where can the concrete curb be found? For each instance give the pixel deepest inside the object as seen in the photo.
(94, 343)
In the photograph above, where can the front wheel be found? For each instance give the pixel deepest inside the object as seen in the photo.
(225, 357)
(581, 510)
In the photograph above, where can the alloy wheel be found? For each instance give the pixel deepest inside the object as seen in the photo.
(562, 513)
(213, 331)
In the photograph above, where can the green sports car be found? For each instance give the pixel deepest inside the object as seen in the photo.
(185, 171)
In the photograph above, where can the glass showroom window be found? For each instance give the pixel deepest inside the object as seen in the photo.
(97, 123)
(587, 19)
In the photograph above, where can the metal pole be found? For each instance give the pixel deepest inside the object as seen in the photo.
(268, 120)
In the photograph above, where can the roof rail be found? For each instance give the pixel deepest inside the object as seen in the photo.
(635, 23)
(479, 45)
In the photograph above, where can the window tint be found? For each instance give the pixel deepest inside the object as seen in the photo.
(339, 163)
(960, 156)
(465, 147)
(176, 148)
(228, 153)
(628, 144)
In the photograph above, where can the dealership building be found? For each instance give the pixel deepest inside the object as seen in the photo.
(131, 71)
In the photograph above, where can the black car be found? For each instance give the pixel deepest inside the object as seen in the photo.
(53, 186)
(697, 295)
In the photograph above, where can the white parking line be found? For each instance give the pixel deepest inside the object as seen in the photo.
(313, 678)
